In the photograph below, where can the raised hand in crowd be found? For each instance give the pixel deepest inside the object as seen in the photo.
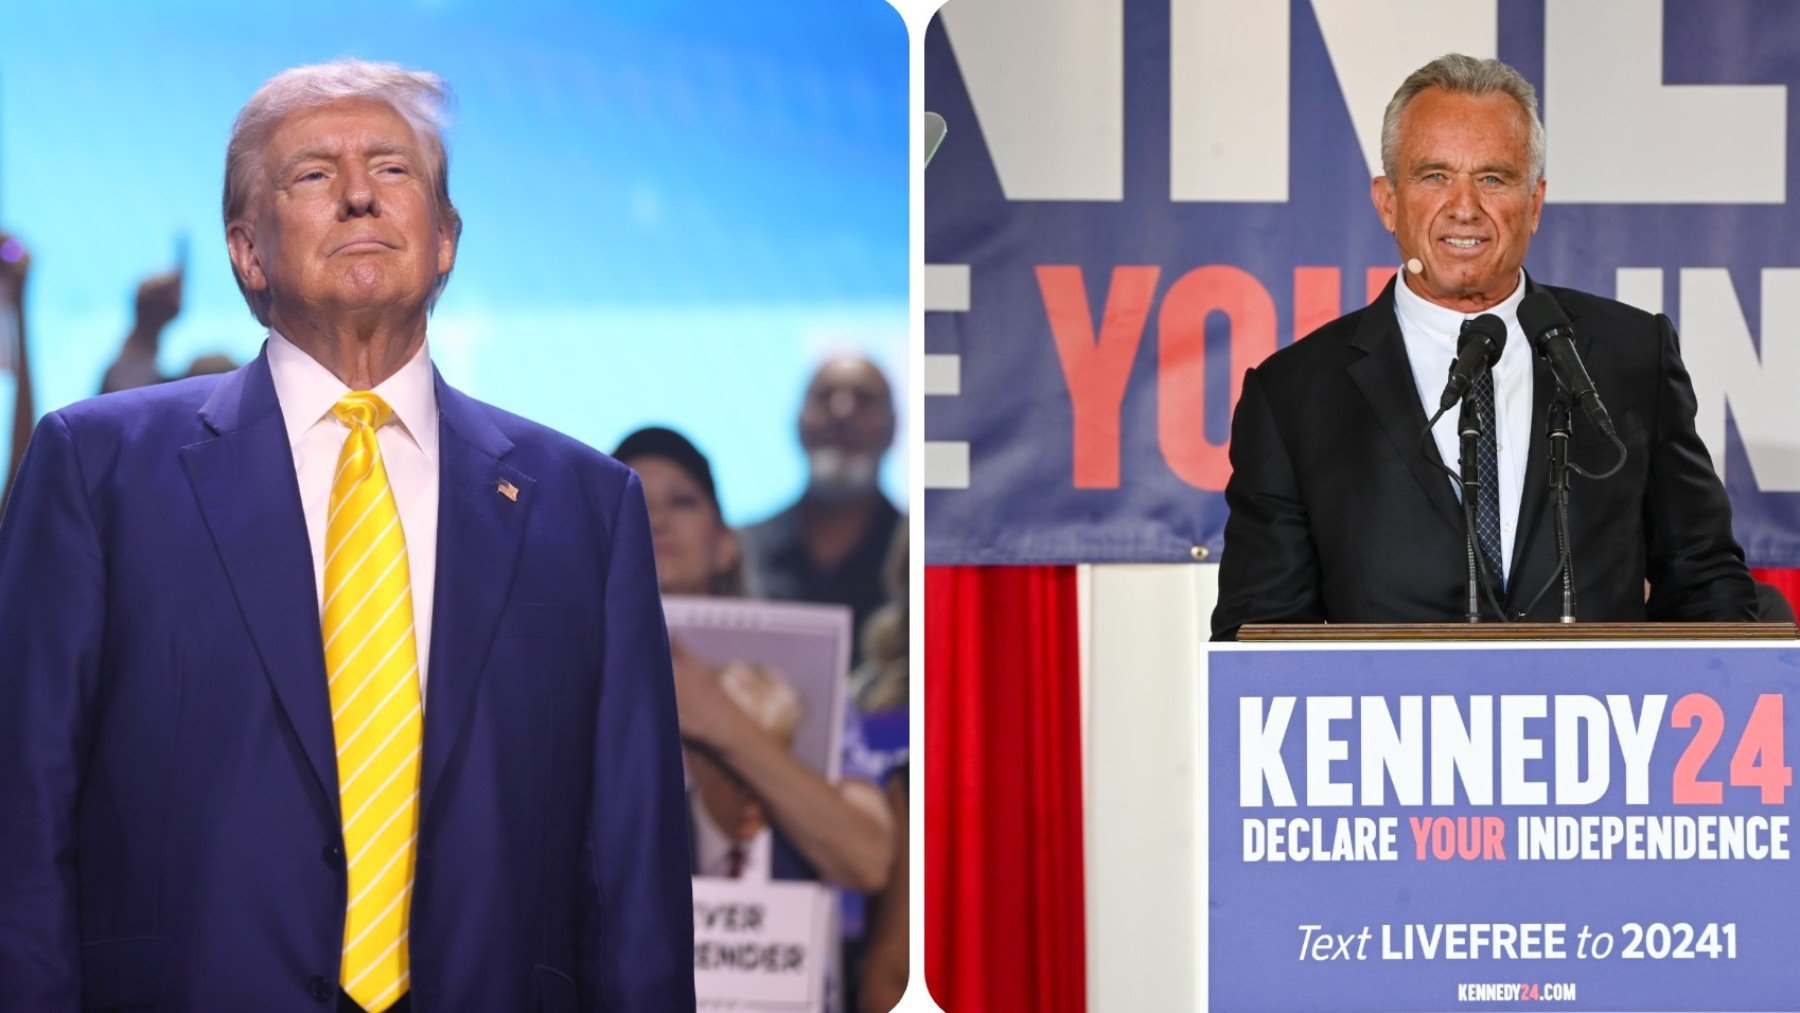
(15, 264)
(158, 303)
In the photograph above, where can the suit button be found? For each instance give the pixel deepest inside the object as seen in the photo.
(334, 855)
(319, 988)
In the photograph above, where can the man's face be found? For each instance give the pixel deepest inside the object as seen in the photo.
(846, 424)
(1464, 201)
(343, 222)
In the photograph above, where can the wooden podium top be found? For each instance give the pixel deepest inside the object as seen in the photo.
(1403, 632)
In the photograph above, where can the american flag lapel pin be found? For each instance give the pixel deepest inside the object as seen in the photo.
(509, 490)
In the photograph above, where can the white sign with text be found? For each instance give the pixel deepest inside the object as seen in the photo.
(763, 946)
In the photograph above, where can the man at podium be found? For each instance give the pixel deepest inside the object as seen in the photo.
(1344, 510)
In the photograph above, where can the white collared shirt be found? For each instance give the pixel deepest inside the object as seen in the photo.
(1430, 332)
(712, 849)
(306, 390)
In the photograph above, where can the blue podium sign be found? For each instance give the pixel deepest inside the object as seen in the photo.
(1480, 827)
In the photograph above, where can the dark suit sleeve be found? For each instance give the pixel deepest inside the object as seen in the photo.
(1695, 567)
(1270, 568)
(51, 580)
(643, 957)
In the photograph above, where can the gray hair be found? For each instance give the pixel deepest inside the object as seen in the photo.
(1463, 75)
(420, 97)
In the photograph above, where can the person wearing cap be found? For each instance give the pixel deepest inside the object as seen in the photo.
(324, 686)
(1341, 512)
(696, 552)
(842, 833)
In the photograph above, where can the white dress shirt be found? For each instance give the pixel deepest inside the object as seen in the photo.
(1430, 332)
(712, 848)
(306, 390)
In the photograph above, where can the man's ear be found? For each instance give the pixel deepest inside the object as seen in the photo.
(446, 250)
(240, 243)
(1381, 194)
(449, 231)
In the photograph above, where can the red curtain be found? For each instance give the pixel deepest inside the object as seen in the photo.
(1004, 917)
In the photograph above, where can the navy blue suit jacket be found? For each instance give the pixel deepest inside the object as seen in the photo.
(169, 826)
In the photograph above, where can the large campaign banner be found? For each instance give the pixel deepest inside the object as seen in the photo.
(1477, 827)
(1137, 200)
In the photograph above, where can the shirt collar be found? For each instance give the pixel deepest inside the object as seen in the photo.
(1442, 322)
(306, 390)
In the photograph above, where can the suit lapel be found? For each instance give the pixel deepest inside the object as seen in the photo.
(480, 533)
(244, 480)
(1384, 376)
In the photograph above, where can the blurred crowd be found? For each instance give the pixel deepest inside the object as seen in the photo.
(757, 812)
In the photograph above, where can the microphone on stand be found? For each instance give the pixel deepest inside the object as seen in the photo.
(1544, 322)
(1477, 349)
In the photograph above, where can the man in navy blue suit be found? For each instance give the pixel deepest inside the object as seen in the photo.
(174, 824)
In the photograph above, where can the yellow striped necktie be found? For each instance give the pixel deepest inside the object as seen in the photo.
(372, 661)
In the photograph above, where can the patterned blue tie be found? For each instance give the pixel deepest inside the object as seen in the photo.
(1487, 498)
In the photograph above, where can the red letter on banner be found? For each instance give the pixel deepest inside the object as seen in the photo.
(1377, 280)
(1181, 364)
(1096, 371)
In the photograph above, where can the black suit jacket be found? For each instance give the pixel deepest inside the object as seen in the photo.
(1338, 515)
